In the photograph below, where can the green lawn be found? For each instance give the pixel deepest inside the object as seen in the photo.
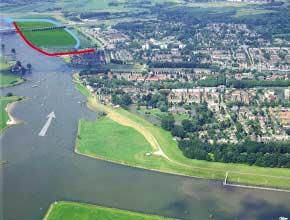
(46, 38)
(157, 113)
(4, 101)
(177, 162)
(107, 139)
(81, 211)
(7, 78)
(249, 11)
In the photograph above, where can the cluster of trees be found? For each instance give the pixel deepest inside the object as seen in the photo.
(107, 83)
(86, 15)
(212, 81)
(157, 100)
(249, 152)
(255, 83)
(18, 68)
(121, 99)
(274, 154)
(94, 71)
(178, 65)
(240, 84)
(202, 116)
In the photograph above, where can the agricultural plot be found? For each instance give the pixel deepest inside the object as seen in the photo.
(46, 38)
(80, 211)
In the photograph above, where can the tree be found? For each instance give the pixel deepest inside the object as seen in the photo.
(18, 63)
(178, 131)
(126, 100)
(23, 70)
(29, 66)
(187, 125)
(163, 107)
(167, 122)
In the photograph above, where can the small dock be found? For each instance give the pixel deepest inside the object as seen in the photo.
(225, 183)
(226, 178)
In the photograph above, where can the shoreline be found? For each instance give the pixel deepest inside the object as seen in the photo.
(245, 185)
(106, 208)
(22, 80)
(9, 109)
(259, 187)
(12, 119)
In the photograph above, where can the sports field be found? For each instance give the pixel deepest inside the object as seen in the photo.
(7, 78)
(46, 38)
(168, 157)
(81, 211)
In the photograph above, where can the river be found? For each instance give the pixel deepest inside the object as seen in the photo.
(42, 170)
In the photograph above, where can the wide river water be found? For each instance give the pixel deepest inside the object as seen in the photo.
(42, 170)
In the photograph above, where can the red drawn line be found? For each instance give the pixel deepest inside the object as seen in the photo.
(46, 53)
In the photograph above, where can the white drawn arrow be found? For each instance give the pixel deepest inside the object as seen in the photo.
(47, 124)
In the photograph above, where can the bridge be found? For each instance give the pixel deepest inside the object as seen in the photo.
(13, 30)
(7, 30)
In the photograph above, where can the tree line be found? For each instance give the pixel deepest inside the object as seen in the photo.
(272, 154)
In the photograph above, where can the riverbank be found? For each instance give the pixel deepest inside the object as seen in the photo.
(8, 79)
(7, 106)
(80, 211)
(173, 160)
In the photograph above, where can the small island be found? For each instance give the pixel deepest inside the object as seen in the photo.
(7, 78)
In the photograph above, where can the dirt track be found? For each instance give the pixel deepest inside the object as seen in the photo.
(119, 118)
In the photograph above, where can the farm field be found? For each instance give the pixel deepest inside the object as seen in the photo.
(6, 78)
(169, 158)
(4, 101)
(81, 211)
(46, 38)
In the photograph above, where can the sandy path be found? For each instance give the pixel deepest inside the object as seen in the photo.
(123, 120)
(12, 120)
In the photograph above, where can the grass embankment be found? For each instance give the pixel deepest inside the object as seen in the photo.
(4, 101)
(107, 139)
(46, 38)
(7, 78)
(173, 161)
(81, 211)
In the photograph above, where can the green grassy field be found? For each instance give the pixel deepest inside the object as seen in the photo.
(7, 78)
(250, 11)
(107, 139)
(81, 211)
(177, 163)
(157, 113)
(4, 101)
(46, 38)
